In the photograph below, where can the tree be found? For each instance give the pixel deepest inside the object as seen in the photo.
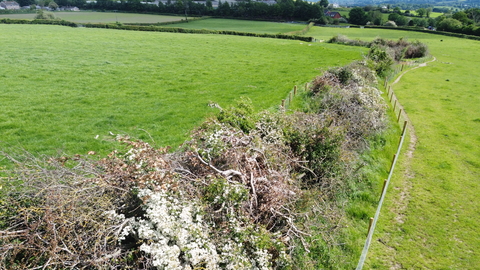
(427, 12)
(450, 25)
(474, 14)
(53, 5)
(421, 12)
(357, 16)
(376, 17)
(42, 15)
(23, 3)
(461, 16)
(324, 3)
(398, 19)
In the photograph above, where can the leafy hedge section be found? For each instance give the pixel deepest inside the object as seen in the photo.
(51, 22)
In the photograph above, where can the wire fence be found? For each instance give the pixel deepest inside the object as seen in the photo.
(287, 101)
(373, 221)
(398, 111)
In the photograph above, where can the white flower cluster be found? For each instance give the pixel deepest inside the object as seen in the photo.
(175, 236)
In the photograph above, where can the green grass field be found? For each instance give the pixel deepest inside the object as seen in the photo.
(102, 17)
(65, 86)
(438, 208)
(243, 26)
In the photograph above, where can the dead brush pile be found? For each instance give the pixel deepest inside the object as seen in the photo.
(349, 99)
(227, 199)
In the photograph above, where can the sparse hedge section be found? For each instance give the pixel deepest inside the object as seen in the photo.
(304, 30)
(195, 31)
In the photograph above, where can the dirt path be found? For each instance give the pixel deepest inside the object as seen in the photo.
(401, 203)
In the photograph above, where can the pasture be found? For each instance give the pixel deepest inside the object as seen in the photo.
(431, 215)
(66, 88)
(102, 17)
(243, 26)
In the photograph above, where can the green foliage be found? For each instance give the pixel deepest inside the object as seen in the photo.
(240, 115)
(315, 143)
(379, 60)
(219, 192)
(42, 15)
(450, 25)
(357, 16)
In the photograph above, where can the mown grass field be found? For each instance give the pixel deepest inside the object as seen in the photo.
(243, 26)
(430, 221)
(64, 86)
(102, 17)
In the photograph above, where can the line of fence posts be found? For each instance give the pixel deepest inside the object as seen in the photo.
(288, 101)
(373, 220)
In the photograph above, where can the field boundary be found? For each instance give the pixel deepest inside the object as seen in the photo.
(152, 28)
(303, 31)
(197, 31)
(407, 123)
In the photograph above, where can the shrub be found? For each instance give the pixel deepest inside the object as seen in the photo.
(416, 50)
(240, 116)
(42, 15)
(379, 60)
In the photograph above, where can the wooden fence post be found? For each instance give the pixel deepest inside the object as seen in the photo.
(394, 105)
(370, 225)
(283, 103)
(384, 185)
(404, 127)
(393, 162)
(399, 113)
(295, 90)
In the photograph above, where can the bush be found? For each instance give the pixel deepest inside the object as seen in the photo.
(379, 60)
(416, 50)
(42, 15)
(240, 116)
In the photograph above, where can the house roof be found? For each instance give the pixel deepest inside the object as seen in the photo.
(10, 3)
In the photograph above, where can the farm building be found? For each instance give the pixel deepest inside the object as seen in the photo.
(332, 14)
(9, 5)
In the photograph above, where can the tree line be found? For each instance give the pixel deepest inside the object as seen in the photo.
(280, 10)
(465, 22)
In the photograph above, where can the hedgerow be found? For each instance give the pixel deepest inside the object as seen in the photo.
(231, 197)
(195, 31)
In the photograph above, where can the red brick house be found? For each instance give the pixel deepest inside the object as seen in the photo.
(333, 15)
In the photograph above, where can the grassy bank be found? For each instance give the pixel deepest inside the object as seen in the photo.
(429, 219)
